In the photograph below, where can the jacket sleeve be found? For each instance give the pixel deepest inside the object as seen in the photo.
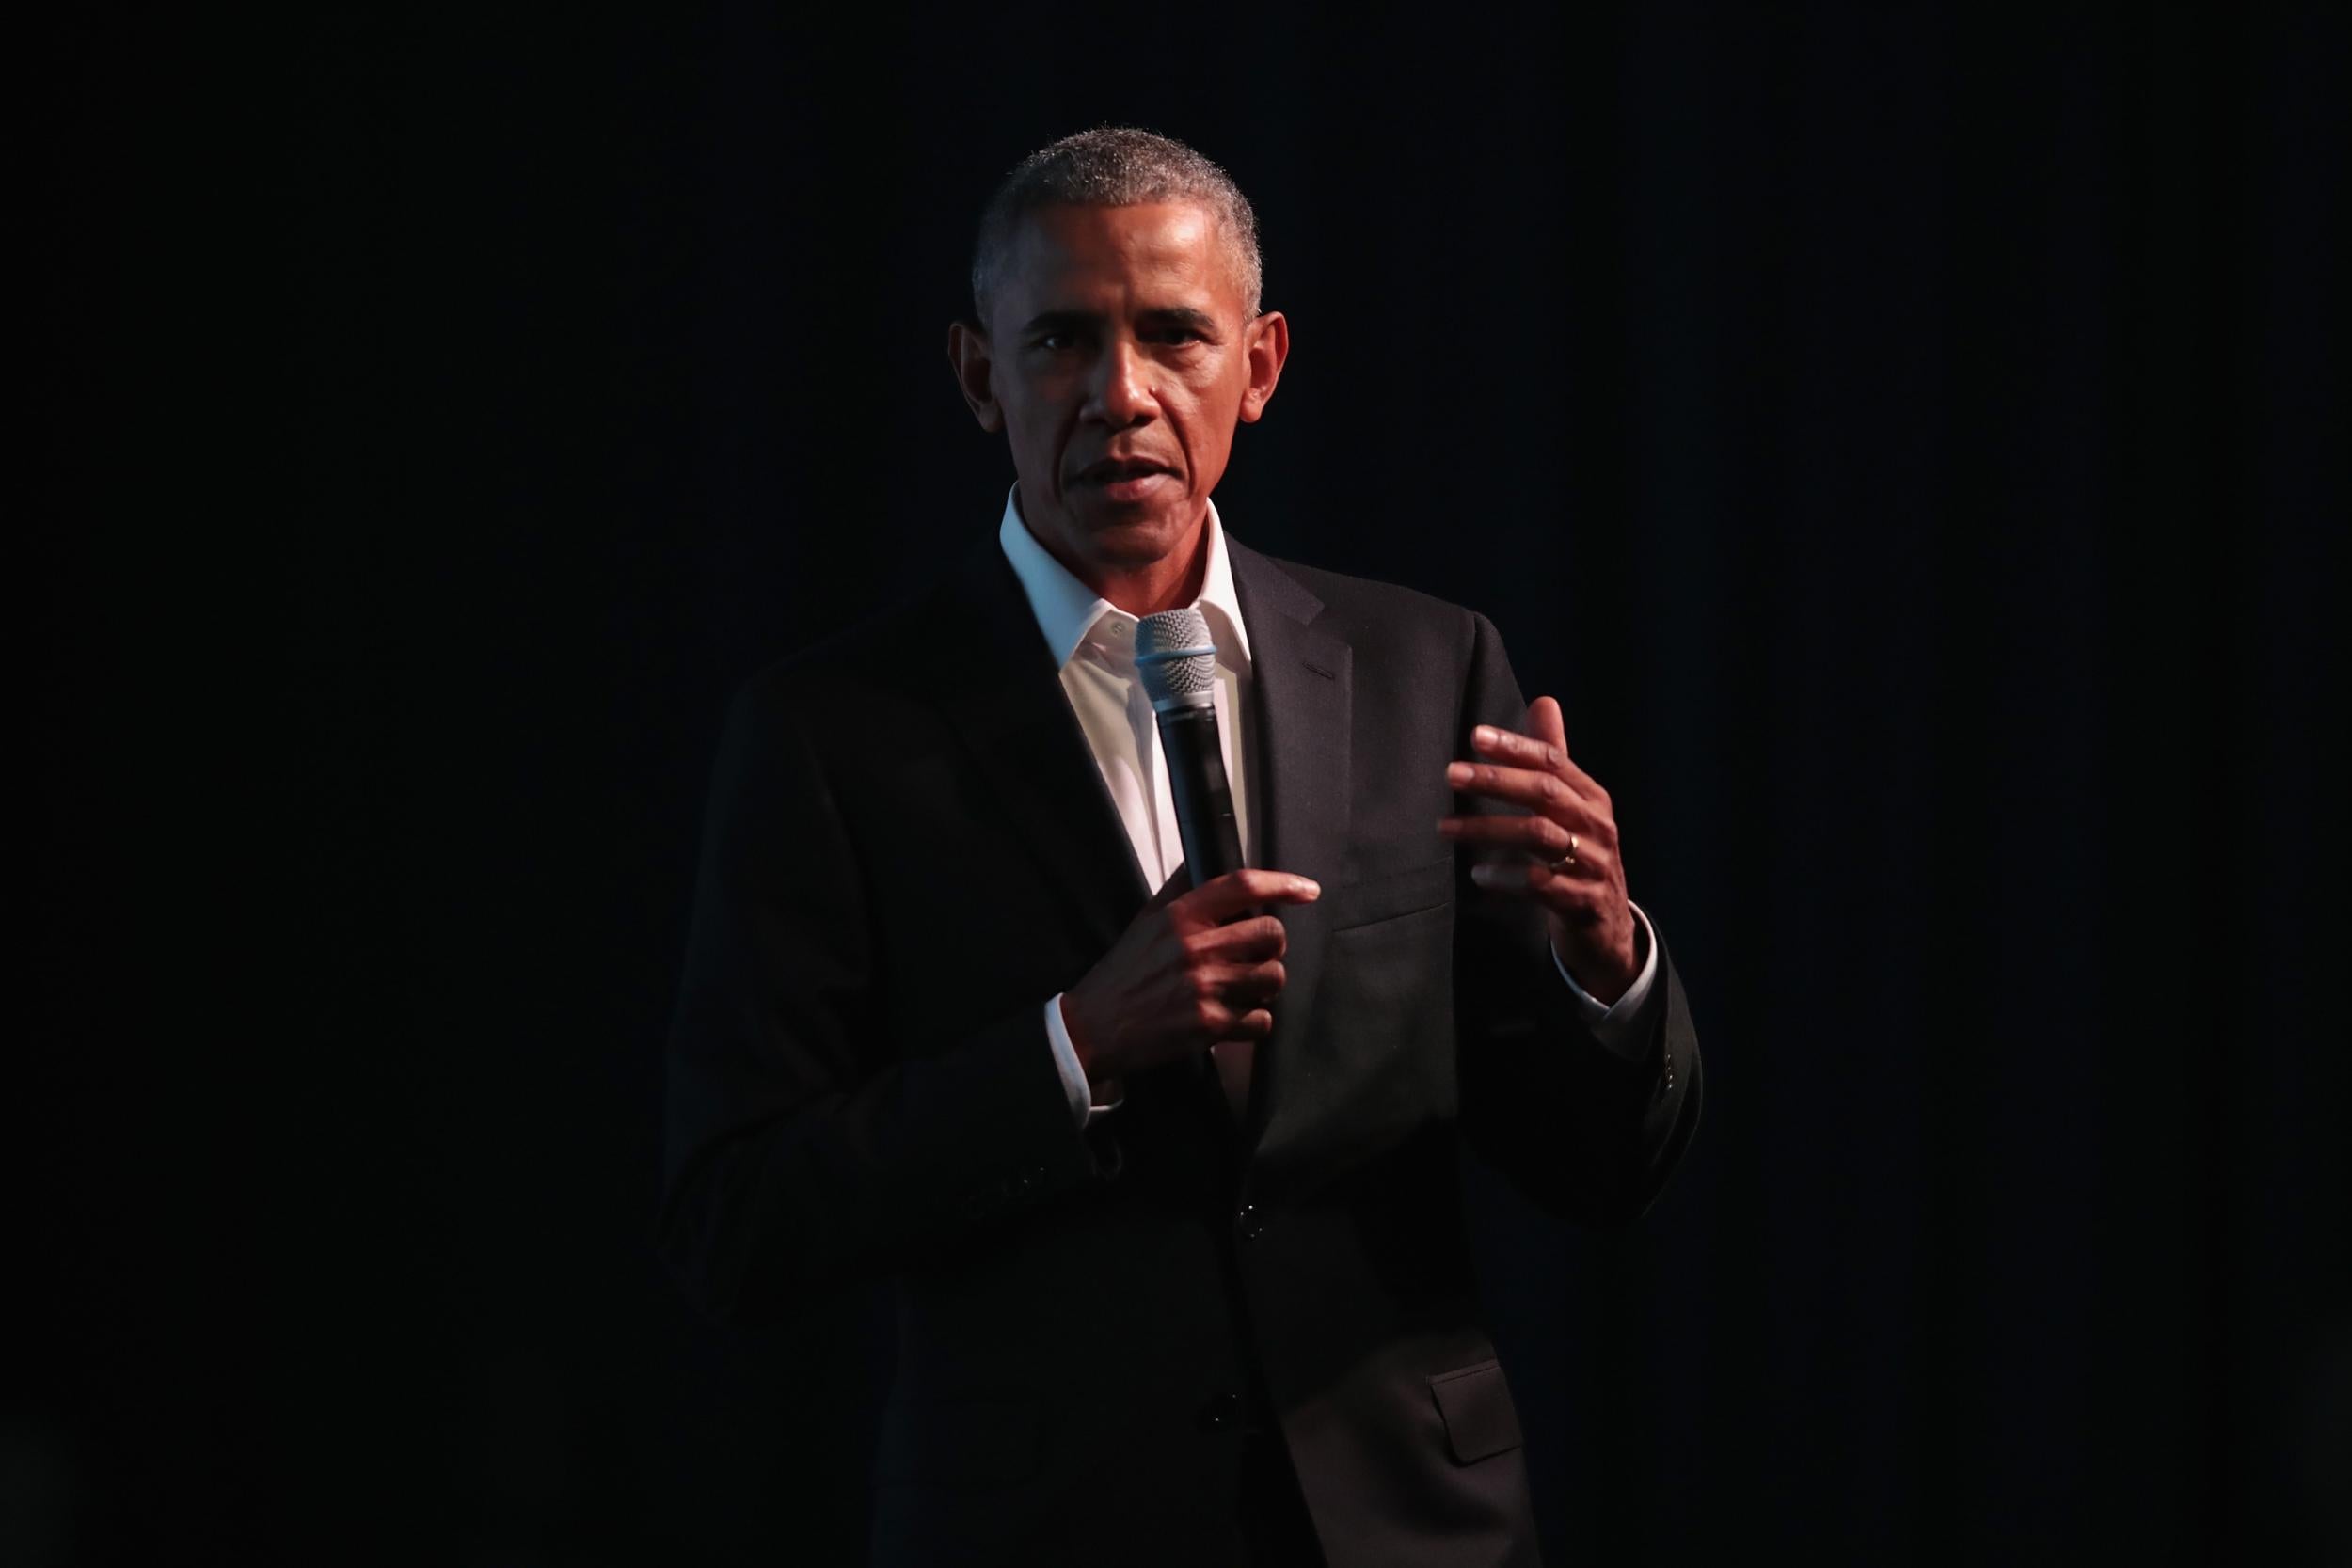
(802, 1151)
(1584, 1132)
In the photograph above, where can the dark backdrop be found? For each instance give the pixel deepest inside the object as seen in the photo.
(1901, 442)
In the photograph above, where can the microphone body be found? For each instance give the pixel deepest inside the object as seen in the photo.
(1176, 661)
(1201, 794)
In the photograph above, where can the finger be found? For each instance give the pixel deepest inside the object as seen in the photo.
(1535, 752)
(1511, 876)
(1527, 751)
(1221, 898)
(1537, 835)
(1241, 941)
(1534, 789)
(1253, 1025)
(1243, 986)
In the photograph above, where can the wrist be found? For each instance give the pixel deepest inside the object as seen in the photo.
(1081, 1045)
(1604, 972)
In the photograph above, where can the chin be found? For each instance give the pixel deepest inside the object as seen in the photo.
(1136, 538)
(1131, 549)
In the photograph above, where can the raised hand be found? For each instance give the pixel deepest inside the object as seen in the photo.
(1562, 853)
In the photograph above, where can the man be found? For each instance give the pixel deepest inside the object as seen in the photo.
(937, 1025)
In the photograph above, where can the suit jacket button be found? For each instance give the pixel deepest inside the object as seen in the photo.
(1249, 1221)
(1221, 1410)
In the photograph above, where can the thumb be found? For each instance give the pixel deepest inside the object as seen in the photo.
(1544, 722)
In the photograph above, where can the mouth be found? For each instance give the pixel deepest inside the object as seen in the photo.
(1125, 479)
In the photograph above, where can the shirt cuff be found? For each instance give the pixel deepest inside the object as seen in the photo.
(1074, 1078)
(1613, 1025)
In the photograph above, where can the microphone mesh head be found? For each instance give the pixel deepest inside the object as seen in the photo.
(1176, 658)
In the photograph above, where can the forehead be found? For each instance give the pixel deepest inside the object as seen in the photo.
(1146, 255)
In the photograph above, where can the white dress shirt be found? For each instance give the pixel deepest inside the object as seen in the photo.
(1093, 643)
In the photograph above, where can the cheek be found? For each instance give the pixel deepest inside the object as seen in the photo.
(1040, 444)
(1208, 431)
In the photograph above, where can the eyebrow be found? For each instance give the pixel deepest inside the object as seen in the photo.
(1163, 315)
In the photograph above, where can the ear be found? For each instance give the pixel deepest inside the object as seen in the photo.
(974, 364)
(1265, 345)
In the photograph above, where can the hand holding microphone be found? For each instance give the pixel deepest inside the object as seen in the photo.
(1185, 974)
(1200, 963)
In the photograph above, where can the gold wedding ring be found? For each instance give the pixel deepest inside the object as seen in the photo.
(1567, 859)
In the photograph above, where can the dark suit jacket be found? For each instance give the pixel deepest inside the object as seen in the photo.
(909, 850)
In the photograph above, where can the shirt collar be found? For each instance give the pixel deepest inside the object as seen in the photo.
(1066, 609)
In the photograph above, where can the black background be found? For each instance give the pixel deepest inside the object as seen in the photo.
(1902, 441)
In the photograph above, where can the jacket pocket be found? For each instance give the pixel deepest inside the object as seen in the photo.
(957, 1440)
(1475, 1403)
(1392, 896)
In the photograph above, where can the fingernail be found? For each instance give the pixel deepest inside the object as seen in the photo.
(1486, 735)
(1306, 886)
(1458, 772)
(1482, 874)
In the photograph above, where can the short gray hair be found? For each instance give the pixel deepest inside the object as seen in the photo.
(1115, 166)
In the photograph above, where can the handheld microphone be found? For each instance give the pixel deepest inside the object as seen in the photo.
(1176, 661)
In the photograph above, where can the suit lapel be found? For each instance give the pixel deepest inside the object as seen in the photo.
(1299, 710)
(1007, 704)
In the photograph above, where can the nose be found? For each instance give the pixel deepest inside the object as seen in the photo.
(1123, 388)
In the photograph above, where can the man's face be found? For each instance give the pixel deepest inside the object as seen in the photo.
(1117, 364)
